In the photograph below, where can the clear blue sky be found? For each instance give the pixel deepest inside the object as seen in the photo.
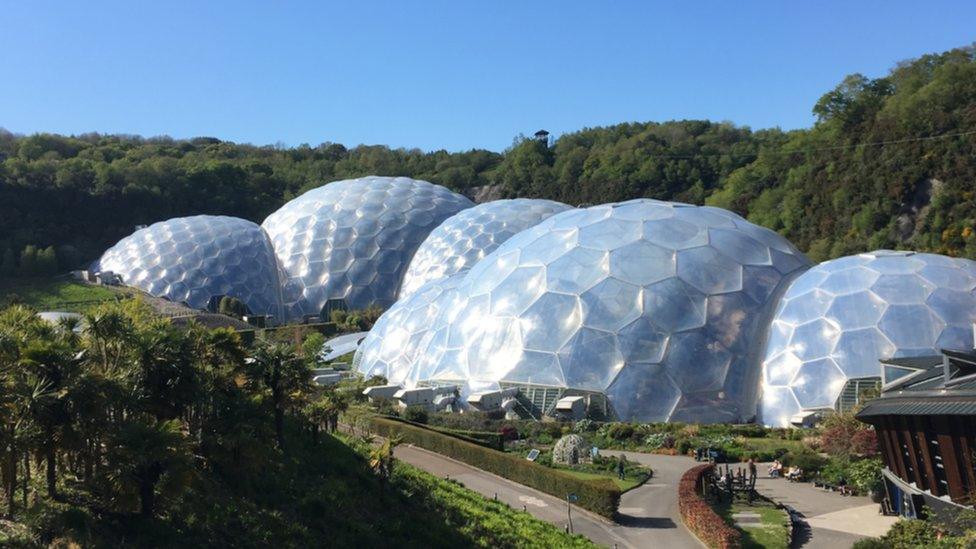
(456, 74)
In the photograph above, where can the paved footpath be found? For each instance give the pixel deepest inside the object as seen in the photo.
(833, 521)
(648, 513)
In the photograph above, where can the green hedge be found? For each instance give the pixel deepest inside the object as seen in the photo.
(481, 438)
(601, 496)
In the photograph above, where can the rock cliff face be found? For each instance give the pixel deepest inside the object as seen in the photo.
(484, 193)
(911, 220)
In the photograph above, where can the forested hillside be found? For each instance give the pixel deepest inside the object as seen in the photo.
(884, 166)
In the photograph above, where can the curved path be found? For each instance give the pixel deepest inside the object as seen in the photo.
(648, 513)
(832, 520)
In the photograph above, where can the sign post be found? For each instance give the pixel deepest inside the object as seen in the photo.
(570, 498)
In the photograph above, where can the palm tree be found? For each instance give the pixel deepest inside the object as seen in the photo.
(53, 363)
(148, 454)
(381, 459)
(283, 372)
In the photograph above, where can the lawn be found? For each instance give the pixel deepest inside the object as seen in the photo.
(626, 484)
(772, 533)
(54, 294)
(768, 443)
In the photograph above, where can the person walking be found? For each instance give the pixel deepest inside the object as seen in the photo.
(752, 469)
(620, 467)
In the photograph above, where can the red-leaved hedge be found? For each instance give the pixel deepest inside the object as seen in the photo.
(699, 516)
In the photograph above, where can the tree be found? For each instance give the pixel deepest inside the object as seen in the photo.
(231, 306)
(381, 460)
(51, 361)
(285, 375)
(28, 261)
(147, 453)
(47, 262)
(843, 436)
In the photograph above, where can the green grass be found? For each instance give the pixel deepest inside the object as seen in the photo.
(626, 484)
(54, 294)
(772, 534)
(764, 444)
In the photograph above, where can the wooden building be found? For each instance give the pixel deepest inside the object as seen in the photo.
(926, 424)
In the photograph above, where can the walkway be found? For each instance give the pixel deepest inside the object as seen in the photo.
(834, 521)
(648, 514)
(540, 505)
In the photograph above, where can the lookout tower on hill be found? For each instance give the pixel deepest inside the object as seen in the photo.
(542, 135)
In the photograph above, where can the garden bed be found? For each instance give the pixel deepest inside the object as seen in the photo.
(772, 531)
(710, 528)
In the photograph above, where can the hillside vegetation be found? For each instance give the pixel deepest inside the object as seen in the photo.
(884, 166)
(136, 432)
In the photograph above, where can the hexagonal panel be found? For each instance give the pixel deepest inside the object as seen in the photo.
(355, 219)
(465, 238)
(196, 259)
(882, 304)
(613, 307)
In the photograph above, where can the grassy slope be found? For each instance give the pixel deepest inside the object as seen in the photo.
(321, 495)
(61, 294)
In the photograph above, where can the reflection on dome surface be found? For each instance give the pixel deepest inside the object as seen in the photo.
(195, 259)
(838, 319)
(352, 240)
(654, 304)
(467, 237)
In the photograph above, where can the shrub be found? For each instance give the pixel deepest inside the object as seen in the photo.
(509, 432)
(699, 516)
(845, 436)
(620, 431)
(601, 496)
(865, 474)
(416, 414)
(808, 460)
(481, 438)
(659, 440)
(583, 426)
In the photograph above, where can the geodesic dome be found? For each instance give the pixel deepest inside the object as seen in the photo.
(838, 319)
(391, 347)
(352, 240)
(195, 259)
(467, 237)
(654, 304)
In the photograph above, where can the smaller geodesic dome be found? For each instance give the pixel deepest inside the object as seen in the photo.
(198, 259)
(570, 450)
(837, 320)
(351, 240)
(390, 349)
(467, 237)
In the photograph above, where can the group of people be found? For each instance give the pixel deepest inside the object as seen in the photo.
(794, 473)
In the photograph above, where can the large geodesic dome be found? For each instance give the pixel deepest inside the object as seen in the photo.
(352, 240)
(655, 305)
(470, 235)
(390, 349)
(195, 259)
(838, 319)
